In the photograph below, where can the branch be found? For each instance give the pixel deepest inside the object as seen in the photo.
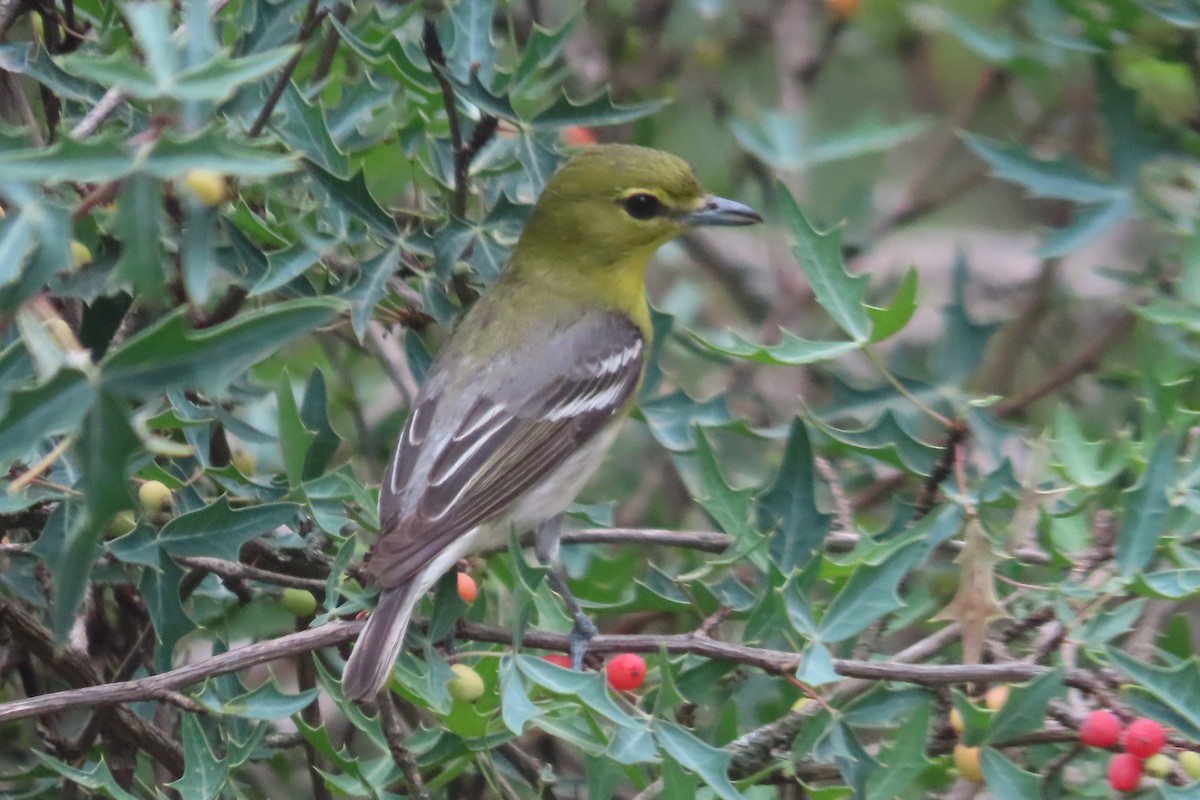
(77, 669)
(233, 569)
(1085, 361)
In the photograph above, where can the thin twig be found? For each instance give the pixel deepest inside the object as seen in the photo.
(91, 122)
(431, 43)
(1085, 361)
(395, 733)
(312, 18)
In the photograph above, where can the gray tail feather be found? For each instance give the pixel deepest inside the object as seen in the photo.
(379, 644)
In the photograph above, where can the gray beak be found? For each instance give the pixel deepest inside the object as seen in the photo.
(717, 211)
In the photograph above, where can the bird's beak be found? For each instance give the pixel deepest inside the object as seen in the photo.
(717, 211)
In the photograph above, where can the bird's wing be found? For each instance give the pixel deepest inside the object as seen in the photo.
(504, 442)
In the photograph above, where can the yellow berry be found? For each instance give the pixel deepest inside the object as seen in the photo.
(205, 185)
(299, 602)
(155, 497)
(966, 759)
(245, 461)
(81, 256)
(956, 721)
(1159, 765)
(800, 703)
(466, 685)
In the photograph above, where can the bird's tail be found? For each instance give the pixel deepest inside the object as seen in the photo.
(379, 644)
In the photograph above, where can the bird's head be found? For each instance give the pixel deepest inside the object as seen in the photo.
(613, 203)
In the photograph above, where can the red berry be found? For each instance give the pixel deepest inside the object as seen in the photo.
(1124, 772)
(558, 659)
(1144, 737)
(467, 589)
(626, 671)
(1100, 729)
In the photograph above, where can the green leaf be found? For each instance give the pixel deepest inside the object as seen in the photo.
(904, 761)
(1146, 507)
(1025, 709)
(170, 355)
(891, 319)
(589, 687)
(1062, 179)
(353, 197)
(598, 111)
(1177, 688)
(139, 225)
(790, 351)
(306, 130)
(17, 240)
(790, 504)
(692, 754)
(889, 440)
(728, 506)
(784, 140)
(1087, 463)
(97, 778)
(267, 702)
(1174, 584)
(28, 58)
(204, 775)
(283, 266)
(105, 446)
(374, 274)
(107, 157)
(1005, 780)
(219, 531)
(816, 667)
(515, 707)
(31, 415)
(218, 77)
(151, 26)
(473, 51)
(869, 594)
(314, 413)
(294, 438)
(820, 255)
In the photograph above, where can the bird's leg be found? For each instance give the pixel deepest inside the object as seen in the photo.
(546, 548)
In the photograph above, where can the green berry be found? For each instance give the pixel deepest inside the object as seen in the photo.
(466, 685)
(299, 602)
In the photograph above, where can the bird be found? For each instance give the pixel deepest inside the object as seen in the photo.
(524, 398)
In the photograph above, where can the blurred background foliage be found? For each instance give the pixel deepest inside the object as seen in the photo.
(939, 411)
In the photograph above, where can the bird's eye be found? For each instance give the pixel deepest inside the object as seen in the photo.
(641, 205)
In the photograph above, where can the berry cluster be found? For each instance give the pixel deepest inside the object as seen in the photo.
(1143, 740)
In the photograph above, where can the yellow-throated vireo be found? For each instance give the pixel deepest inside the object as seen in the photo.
(525, 397)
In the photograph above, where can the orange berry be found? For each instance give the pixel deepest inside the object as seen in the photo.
(468, 590)
(578, 136)
(996, 697)
(842, 10)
